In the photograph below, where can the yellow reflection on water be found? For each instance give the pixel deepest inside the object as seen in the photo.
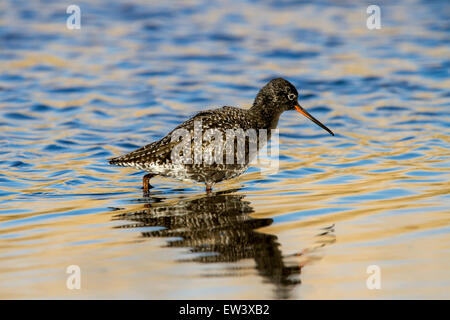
(375, 194)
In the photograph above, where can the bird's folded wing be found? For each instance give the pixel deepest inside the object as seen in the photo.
(160, 151)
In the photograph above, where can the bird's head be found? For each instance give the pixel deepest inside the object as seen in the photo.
(279, 95)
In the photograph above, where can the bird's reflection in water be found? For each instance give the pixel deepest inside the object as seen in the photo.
(218, 228)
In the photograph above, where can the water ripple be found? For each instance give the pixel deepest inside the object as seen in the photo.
(375, 193)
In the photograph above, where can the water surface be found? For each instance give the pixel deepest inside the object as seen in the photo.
(377, 193)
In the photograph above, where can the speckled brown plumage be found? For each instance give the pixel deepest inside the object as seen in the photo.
(273, 99)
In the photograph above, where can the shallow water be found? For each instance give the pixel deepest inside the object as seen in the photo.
(375, 194)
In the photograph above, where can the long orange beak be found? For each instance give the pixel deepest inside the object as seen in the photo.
(310, 117)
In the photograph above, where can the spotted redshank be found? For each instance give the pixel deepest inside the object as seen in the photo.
(157, 158)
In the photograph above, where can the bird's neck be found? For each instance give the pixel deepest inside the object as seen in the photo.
(267, 117)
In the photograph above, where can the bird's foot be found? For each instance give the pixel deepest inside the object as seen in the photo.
(146, 183)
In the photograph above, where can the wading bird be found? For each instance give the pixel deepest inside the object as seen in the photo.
(162, 157)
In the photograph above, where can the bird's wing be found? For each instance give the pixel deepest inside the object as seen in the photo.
(160, 151)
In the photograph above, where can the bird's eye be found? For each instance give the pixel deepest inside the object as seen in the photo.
(291, 96)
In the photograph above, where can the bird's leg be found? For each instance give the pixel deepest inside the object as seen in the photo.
(146, 182)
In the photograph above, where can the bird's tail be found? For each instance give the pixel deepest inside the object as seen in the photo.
(117, 161)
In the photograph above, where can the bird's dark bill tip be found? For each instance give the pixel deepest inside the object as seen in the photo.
(310, 117)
